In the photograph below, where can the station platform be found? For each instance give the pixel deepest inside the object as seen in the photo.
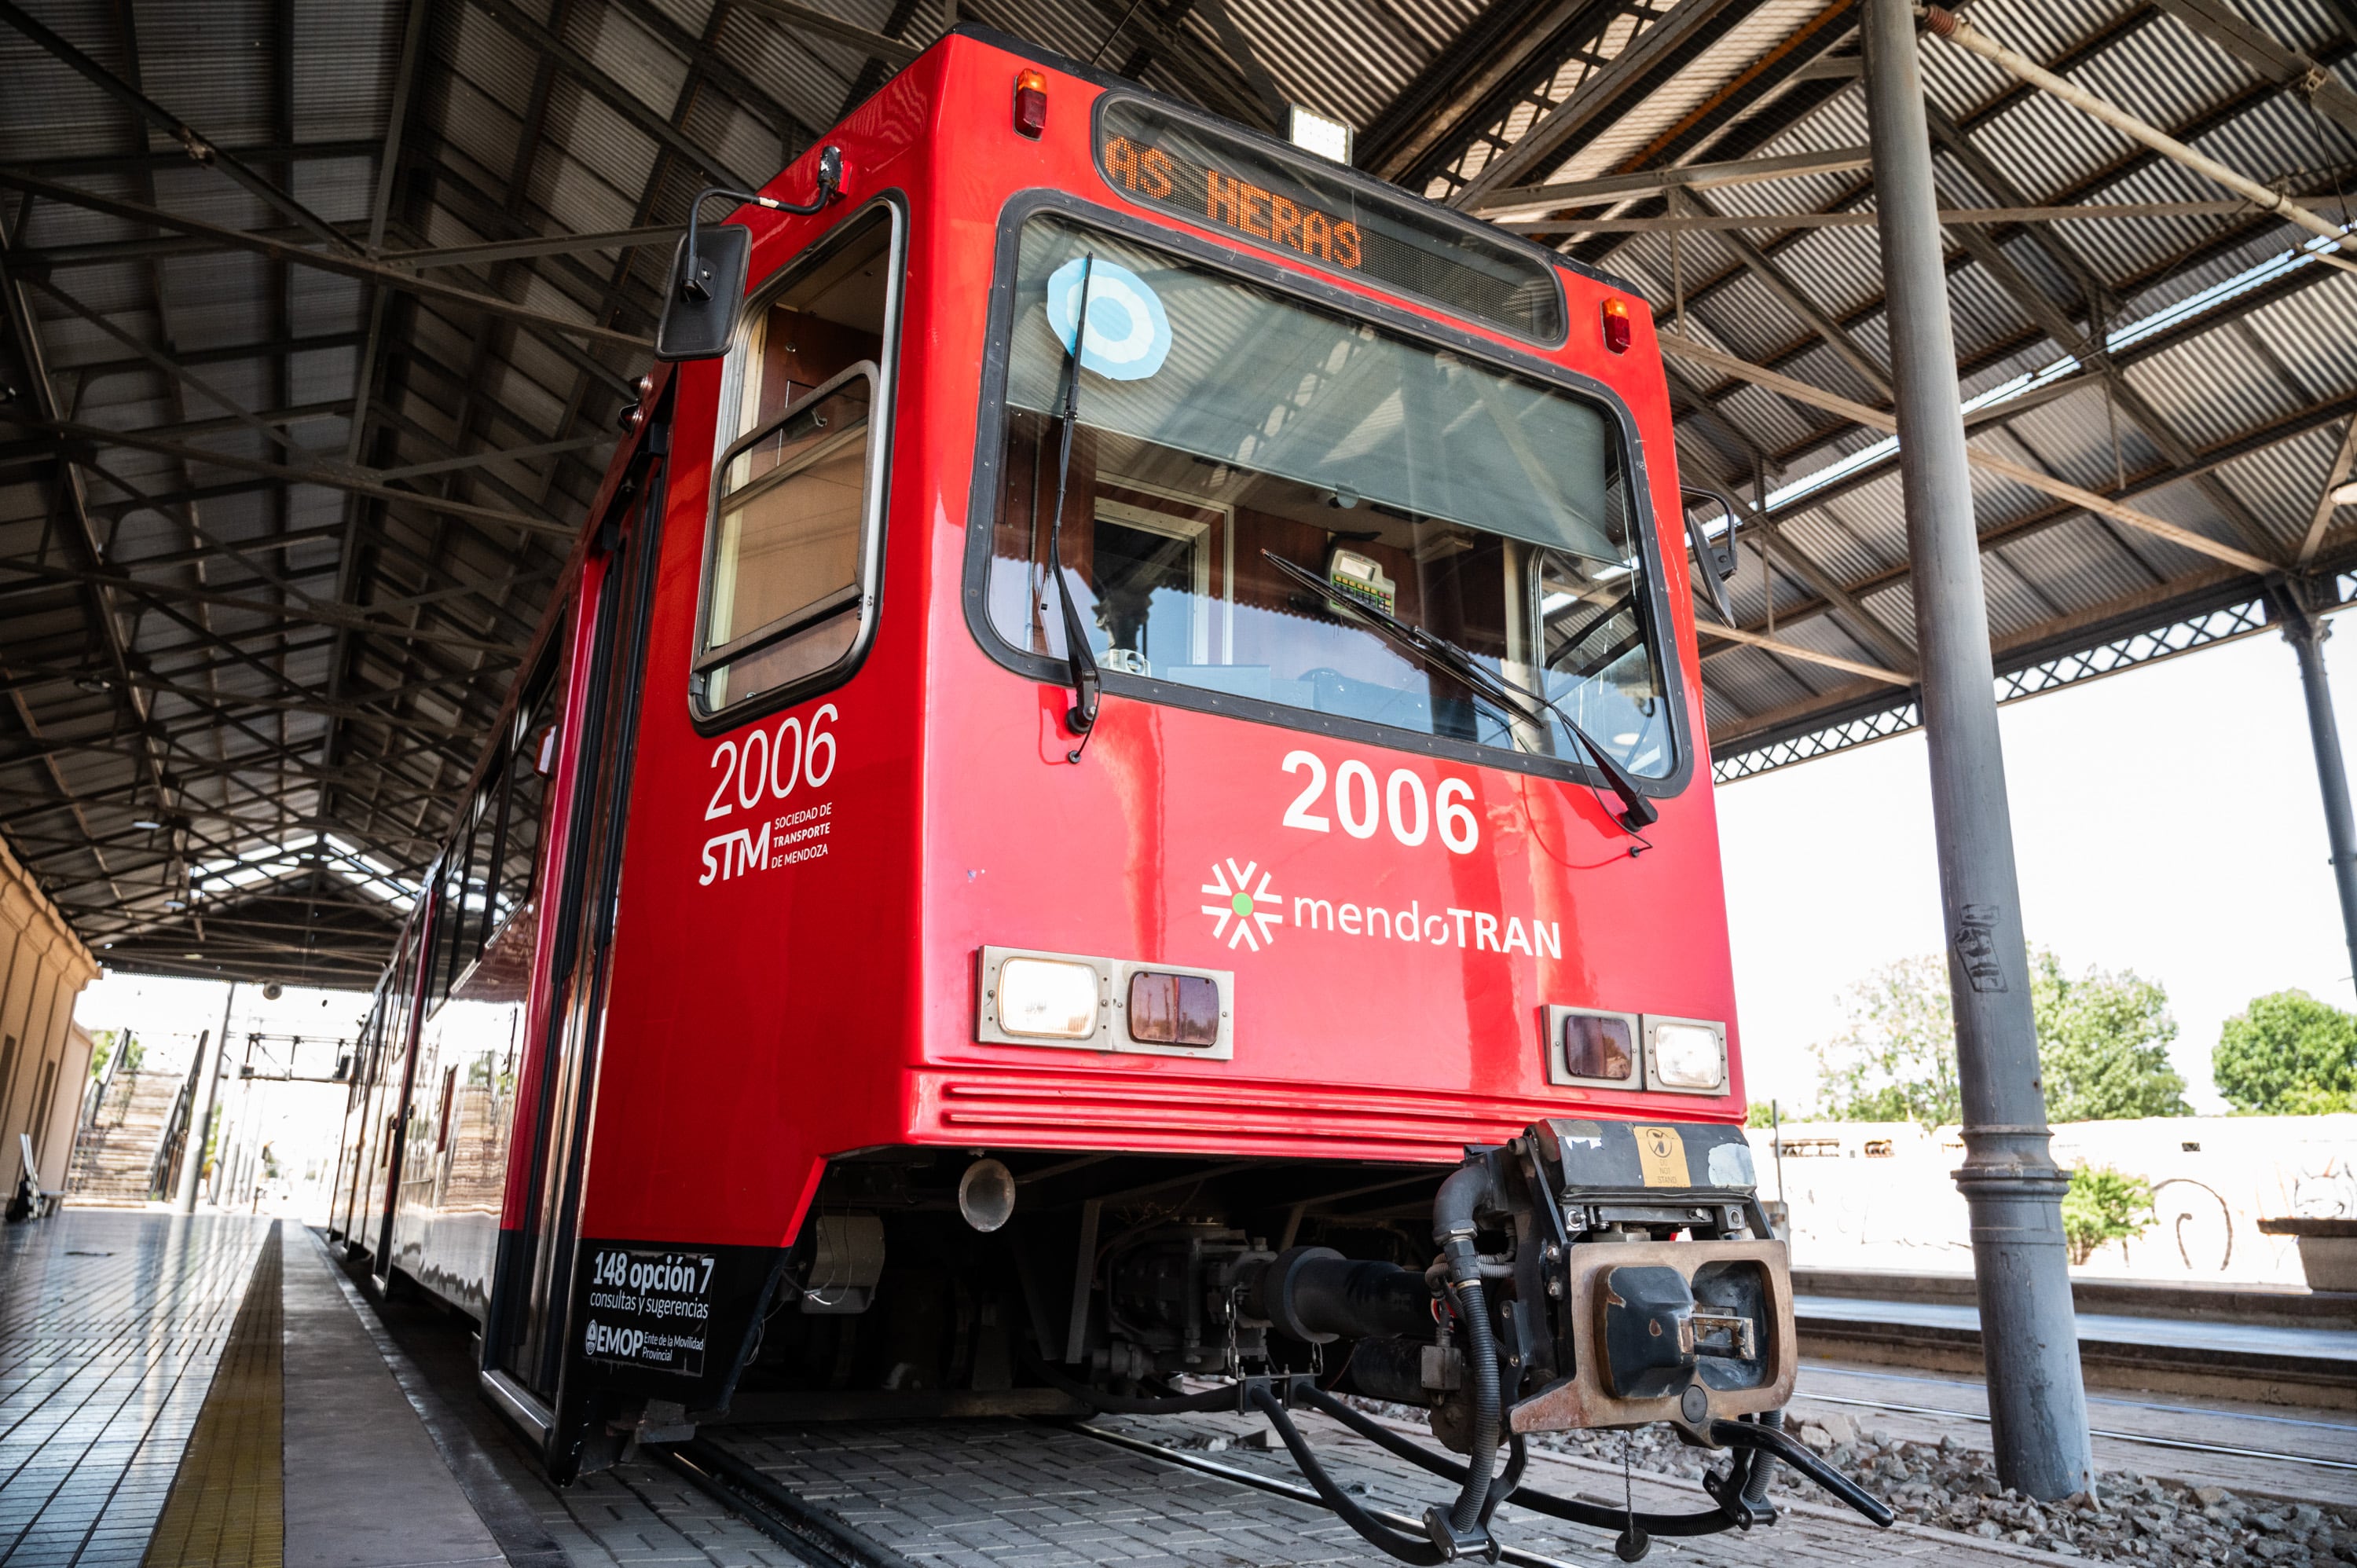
(2278, 1351)
(216, 1390)
(200, 1390)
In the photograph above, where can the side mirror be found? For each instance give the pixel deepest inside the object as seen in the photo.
(700, 311)
(707, 272)
(1716, 560)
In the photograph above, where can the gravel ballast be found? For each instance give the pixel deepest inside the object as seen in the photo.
(1948, 1485)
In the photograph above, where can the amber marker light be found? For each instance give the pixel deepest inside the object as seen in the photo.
(1030, 102)
(1616, 325)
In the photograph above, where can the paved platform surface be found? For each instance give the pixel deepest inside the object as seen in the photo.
(2181, 1334)
(366, 1484)
(112, 1326)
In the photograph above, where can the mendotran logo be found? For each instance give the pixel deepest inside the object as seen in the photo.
(1246, 909)
(1249, 909)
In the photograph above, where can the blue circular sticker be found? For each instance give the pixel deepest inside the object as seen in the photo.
(1129, 334)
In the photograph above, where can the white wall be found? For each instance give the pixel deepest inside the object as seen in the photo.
(1876, 1195)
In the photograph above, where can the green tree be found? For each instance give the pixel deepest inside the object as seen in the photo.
(1897, 1060)
(2287, 1054)
(2104, 1205)
(2102, 1046)
(2103, 1043)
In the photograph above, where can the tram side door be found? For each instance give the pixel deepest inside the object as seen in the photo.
(523, 1359)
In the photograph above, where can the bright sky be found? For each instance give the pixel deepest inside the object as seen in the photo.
(156, 1007)
(2166, 820)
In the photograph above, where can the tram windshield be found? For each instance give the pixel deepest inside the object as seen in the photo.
(1220, 423)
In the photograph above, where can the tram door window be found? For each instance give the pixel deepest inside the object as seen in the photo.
(510, 856)
(449, 928)
(478, 913)
(361, 1080)
(794, 544)
(394, 1053)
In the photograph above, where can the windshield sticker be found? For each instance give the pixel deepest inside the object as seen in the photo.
(1129, 332)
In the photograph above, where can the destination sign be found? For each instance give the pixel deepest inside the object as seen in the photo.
(1293, 204)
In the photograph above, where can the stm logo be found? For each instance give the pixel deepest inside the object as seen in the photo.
(1246, 909)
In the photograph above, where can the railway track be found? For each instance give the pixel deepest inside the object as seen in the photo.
(816, 1535)
(2181, 1445)
(821, 1536)
(2269, 1419)
(2249, 1442)
(947, 1495)
(1051, 1484)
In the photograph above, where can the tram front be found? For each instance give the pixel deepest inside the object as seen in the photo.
(1302, 971)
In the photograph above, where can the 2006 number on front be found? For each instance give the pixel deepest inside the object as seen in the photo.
(1401, 803)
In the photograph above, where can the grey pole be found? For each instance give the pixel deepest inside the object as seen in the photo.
(196, 1077)
(2306, 632)
(2037, 1407)
(200, 1111)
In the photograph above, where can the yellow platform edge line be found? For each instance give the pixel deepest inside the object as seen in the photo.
(227, 1507)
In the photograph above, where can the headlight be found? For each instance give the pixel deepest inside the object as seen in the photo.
(1688, 1055)
(1593, 1046)
(1048, 998)
(1168, 1009)
(1082, 1003)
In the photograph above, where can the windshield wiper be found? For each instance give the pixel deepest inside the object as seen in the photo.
(1080, 659)
(1438, 653)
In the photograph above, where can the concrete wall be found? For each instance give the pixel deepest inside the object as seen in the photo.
(1881, 1196)
(43, 1057)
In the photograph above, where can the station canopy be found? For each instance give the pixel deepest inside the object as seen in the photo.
(319, 319)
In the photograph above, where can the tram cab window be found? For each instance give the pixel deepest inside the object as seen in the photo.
(480, 913)
(795, 539)
(529, 772)
(503, 964)
(1218, 420)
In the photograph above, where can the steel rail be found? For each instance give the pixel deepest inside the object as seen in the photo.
(1292, 1489)
(810, 1534)
(2185, 1444)
(819, 1536)
(1846, 1370)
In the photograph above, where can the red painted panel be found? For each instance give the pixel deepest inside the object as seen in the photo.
(1390, 1009)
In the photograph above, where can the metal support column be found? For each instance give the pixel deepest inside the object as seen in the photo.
(2037, 1407)
(200, 1111)
(2306, 632)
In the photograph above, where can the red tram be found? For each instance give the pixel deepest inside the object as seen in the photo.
(1114, 793)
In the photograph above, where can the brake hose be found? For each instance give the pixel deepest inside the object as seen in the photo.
(1398, 1544)
(1745, 1438)
(1489, 1408)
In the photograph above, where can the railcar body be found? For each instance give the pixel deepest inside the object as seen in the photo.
(840, 988)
